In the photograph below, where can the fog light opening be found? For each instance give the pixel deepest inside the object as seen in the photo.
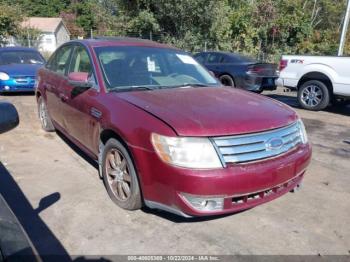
(203, 203)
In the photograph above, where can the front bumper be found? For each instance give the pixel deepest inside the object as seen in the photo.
(12, 85)
(242, 186)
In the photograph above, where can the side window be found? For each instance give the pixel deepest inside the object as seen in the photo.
(200, 58)
(229, 59)
(60, 61)
(214, 58)
(80, 61)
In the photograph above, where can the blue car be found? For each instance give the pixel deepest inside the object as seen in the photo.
(18, 67)
(236, 70)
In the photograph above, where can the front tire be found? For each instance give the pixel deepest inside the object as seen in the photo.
(227, 80)
(44, 117)
(313, 95)
(119, 176)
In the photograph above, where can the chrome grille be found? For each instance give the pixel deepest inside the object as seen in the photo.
(251, 147)
(24, 79)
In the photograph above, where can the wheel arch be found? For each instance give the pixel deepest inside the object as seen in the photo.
(37, 95)
(319, 77)
(234, 79)
(107, 134)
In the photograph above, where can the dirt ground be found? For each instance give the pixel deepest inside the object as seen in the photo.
(58, 197)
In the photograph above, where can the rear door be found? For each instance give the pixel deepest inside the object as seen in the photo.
(81, 107)
(214, 63)
(52, 79)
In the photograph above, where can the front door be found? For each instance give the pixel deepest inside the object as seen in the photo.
(82, 113)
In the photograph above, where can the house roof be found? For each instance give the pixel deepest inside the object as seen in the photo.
(44, 24)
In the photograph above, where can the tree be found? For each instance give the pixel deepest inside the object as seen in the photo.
(28, 36)
(10, 18)
(44, 8)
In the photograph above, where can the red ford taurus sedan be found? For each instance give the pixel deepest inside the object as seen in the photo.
(165, 133)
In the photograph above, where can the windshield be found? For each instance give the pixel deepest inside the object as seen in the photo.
(150, 68)
(20, 57)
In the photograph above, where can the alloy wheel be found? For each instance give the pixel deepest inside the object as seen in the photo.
(312, 95)
(118, 176)
(43, 114)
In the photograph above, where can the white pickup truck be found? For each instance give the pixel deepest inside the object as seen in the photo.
(319, 80)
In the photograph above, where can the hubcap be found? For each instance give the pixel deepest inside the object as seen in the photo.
(42, 114)
(118, 176)
(312, 95)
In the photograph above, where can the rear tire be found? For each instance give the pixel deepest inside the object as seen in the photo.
(44, 117)
(119, 176)
(313, 95)
(227, 80)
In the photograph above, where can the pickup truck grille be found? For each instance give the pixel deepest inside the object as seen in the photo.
(257, 146)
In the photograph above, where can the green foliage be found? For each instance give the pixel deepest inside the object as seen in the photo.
(45, 8)
(10, 18)
(264, 29)
(28, 37)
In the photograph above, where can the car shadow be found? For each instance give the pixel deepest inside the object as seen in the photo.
(43, 239)
(26, 93)
(179, 219)
(293, 102)
(47, 245)
(77, 150)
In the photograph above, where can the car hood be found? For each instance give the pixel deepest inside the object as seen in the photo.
(212, 111)
(20, 69)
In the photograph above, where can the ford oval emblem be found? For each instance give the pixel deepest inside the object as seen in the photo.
(274, 143)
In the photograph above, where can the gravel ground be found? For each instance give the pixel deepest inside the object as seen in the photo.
(58, 197)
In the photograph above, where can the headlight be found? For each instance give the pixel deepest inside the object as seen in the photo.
(189, 152)
(302, 131)
(4, 76)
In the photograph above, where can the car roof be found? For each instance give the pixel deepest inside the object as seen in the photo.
(17, 48)
(221, 52)
(234, 55)
(121, 41)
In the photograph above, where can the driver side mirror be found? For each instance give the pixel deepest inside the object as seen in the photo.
(79, 80)
(8, 117)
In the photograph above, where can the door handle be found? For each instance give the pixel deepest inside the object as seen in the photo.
(63, 97)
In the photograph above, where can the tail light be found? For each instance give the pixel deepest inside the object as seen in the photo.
(283, 64)
(255, 70)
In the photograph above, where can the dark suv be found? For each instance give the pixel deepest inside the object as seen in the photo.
(165, 133)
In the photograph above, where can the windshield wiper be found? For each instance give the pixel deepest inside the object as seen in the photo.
(131, 88)
(187, 85)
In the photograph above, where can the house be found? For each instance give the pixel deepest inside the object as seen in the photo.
(54, 32)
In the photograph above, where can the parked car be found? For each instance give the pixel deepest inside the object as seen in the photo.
(235, 70)
(18, 67)
(319, 80)
(165, 133)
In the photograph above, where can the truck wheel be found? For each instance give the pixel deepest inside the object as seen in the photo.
(44, 117)
(227, 80)
(313, 95)
(119, 176)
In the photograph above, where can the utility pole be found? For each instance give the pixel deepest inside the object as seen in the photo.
(344, 31)
(28, 38)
